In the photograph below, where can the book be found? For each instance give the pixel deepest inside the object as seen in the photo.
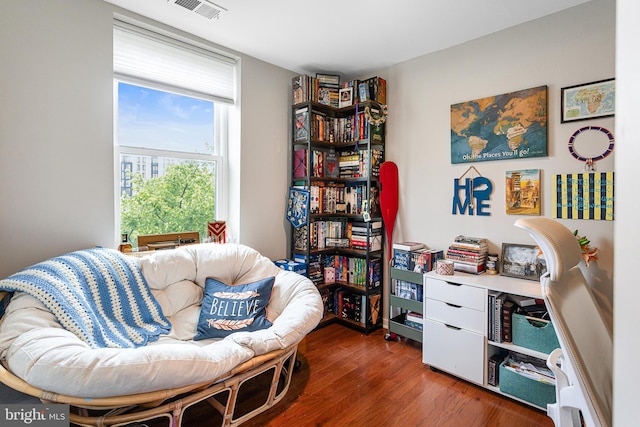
(363, 92)
(408, 246)
(468, 267)
(414, 317)
(471, 241)
(301, 124)
(508, 307)
(374, 304)
(300, 163)
(401, 259)
(494, 329)
(497, 317)
(420, 260)
(493, 373)
(299, 86)
(524, 301)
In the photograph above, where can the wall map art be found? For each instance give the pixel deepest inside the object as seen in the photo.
(501, 127)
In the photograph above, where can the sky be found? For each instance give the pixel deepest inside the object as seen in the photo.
(150, 118)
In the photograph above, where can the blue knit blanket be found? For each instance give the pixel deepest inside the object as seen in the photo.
(98, 294)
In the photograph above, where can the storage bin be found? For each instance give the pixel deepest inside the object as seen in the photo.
(289, 265)
(527, 389)
(534, 335)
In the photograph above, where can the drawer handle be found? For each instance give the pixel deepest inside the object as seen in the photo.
(453, 305)
(453, 284)
(452, 327)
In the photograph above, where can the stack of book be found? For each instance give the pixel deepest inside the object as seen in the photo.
(366, 235)
(501, 309)
(324, 88)
(468, 254)
(414, 320)
(402, 254)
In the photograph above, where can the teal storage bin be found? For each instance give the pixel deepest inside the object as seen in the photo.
(534, 335)
(527, 389)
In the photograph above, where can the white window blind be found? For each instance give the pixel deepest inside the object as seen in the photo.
(142, 54)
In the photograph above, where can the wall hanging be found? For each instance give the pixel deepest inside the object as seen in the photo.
(590, 161)
(586, 195)
(588, 100)
(298, 207)
(522, 191)
(501, 127)
(476, 191)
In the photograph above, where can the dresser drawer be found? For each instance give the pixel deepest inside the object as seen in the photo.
(457, 294)
(457, 351)
(454, 315)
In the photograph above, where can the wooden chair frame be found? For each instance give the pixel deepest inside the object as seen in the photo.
(172, 403)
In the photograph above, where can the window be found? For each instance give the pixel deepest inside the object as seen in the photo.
(171, 102)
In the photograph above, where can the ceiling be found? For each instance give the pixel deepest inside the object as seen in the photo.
(348, 37)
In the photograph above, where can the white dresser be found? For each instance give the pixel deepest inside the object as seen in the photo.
(456, 318)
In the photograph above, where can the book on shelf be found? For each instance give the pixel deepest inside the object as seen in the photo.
(300, 163)
(408, 246)
(493, 366)
(377, 89)
(301, 123)
(414, 320)
(407, 290)
(467, 267)
(300, 88)
(494, 327)
(331, 164)
(524, 301)
(327, 301)
(470, 241)
(508, 308)
(375, 302)
(414, 316)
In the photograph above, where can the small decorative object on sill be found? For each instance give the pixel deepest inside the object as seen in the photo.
(588, 253)
(125, 246)
(217, 231)
(492, 264)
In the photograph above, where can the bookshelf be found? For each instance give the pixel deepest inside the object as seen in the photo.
(456, 331)
(336, 152)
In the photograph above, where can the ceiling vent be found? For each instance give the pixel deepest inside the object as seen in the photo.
(203, 8)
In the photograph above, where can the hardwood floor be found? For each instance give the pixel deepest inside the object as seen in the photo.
(350, 379)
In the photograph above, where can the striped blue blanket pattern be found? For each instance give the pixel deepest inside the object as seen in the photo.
(98, 294)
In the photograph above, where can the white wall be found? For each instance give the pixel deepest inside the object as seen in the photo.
(56, 136)
(627, 231)
(266, 107)
(56, 161)
(568, 48)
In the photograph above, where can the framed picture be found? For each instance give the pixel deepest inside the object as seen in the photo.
(522, 190)
(588, 101)
(522, 261)
(346, 97)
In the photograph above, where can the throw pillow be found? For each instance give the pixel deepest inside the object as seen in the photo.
(227, 309)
